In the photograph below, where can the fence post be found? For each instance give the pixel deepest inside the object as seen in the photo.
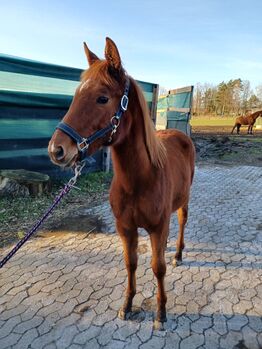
(106, 159)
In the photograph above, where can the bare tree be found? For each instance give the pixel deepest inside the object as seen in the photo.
(246, 94)
(233, 97)
(259, 92)
(162, 91)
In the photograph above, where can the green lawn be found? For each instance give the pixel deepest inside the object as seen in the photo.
(211, 121)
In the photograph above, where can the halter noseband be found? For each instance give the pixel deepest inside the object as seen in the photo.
(83, 142)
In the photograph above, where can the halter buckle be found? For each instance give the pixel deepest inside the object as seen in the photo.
(82, 146)
(124, 102)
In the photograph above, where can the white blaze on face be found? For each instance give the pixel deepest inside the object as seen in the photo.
(84, 85)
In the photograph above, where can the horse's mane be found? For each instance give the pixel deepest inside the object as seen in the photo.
(101, 70)
(155, 146)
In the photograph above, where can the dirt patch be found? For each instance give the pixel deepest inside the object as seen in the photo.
(223, 130)
(228, 150)
(65, 219)
(78, 224)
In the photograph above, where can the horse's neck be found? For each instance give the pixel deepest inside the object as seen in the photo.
(130, 158)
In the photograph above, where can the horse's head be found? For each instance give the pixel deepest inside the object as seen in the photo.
(95, 102)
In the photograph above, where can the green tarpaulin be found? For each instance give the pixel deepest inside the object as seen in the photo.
(174, 109)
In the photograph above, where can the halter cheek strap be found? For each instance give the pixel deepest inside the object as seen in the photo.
(84, 142)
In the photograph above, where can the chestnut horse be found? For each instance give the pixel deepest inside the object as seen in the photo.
(153, 172)
(247, 120)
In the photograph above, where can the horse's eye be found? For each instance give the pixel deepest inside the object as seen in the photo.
(102, 100)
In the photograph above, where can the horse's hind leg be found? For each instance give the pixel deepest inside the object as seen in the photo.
(233, 128)
(158, 263)
(182, 213)
(130, 241)
(238, 128)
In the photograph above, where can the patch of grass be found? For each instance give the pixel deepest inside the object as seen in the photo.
(251, 157)
(26, 210)
(212, 121)
(12, 208)
(250, 139)
(95, 182)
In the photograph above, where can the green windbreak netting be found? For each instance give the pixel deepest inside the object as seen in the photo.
(34, 96)
(36, 84)
(173, 110)
(46, 100)
(27, 128)
(23, 89)
(170, 102)
(180, 100)
(30, 67)
(162, 103)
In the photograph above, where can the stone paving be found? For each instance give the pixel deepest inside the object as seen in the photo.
(64, 290)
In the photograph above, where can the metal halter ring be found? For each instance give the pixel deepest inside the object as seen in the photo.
(115, 122)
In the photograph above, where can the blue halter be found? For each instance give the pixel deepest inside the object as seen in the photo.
(83, 142)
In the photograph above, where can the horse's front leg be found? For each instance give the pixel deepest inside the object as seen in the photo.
(129, 239)
(182, 214)
(238, 128)
(251, 129)
(158, 243)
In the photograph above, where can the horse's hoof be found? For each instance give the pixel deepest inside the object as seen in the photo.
(177, 262)
(159, 325)
(124, 315)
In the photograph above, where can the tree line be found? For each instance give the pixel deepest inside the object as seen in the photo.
(231, 98)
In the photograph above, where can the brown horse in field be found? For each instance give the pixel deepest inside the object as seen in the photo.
(153, 172)
(247, 120)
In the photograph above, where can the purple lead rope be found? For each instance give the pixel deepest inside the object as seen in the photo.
(58, 198)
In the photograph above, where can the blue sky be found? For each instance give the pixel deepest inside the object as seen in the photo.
(173, 43)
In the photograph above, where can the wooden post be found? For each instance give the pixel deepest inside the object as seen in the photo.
(106, 159)
(154, 103)
(33, 183)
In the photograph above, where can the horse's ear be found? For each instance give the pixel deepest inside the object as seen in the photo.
(91, 57)
(112, 55)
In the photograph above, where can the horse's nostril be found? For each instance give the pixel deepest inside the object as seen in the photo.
(59, 153)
